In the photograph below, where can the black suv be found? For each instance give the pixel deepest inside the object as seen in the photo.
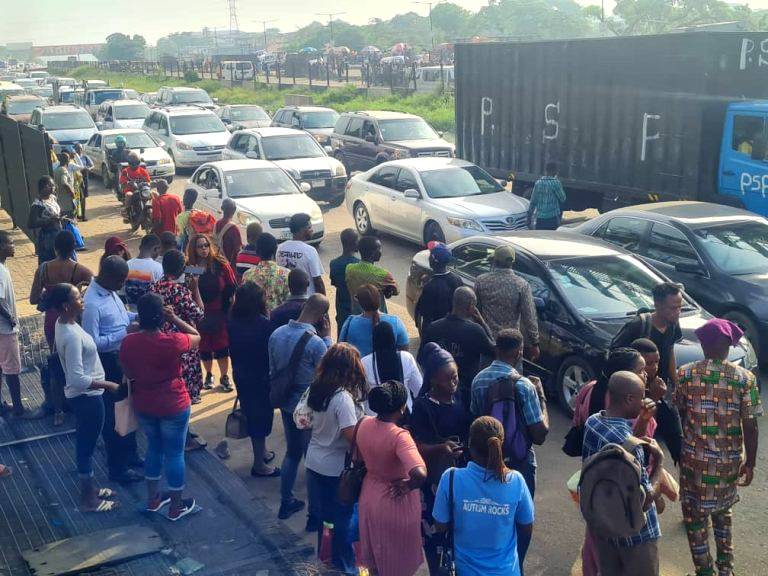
(316, 120)
(362, 140)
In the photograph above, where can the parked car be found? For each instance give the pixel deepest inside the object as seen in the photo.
(152, 153)
(182, 96)
(121, 114)
(585, 290)
(263, 192)
(192, 135)
(298, 153)
(66, 123)
(362, 140)
(424, 199)
(242, 116)
(718, 252)
(20, 107)
(316, 120)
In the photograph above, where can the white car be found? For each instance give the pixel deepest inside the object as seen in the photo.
(121, 114)
(152, 153)
(263, 192)
(424, 199)
(193, 136)
(298, 153)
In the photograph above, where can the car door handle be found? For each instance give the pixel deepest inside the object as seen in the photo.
(729, 173)
(393, 198)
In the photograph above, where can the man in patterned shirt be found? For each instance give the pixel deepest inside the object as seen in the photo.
(637, 555)
(546, 199)
(268, 274)
(718, 402)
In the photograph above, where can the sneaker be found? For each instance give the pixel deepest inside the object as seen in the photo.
(288, 509)
(187, 507)
(226, 385)
(157, 503)
(196, 399)
(208, 384)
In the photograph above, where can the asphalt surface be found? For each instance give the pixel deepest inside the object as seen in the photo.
(559, 529)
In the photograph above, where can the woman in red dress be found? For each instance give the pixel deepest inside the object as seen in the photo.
(217, 285)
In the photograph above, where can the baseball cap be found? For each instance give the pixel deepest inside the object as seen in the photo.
(504, 256)
(440, 253)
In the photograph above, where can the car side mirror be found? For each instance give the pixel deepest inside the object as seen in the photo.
(253, 155)
(305, 187)
(690, 268)
(412, 193)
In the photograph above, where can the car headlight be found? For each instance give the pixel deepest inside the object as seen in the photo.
(340, 171)
(244, 218)
(467, 224)
(316, 213)
(164, 161)
(750, 357)
(183, 146)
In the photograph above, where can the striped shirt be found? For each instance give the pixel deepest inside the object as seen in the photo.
(547, 196)
(526, 392)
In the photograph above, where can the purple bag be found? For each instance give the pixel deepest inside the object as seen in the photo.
(502, 403)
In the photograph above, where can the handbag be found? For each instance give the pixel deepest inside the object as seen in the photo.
(237, 423)
(574, 441)
(447, 564)
(125, 416)
(303, 415)
(70, 226)
(351, 479)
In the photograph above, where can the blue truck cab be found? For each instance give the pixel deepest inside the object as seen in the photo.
(743, 170)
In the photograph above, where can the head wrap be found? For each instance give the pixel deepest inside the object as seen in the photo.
(113, 245)
(719, 328)
(432, 358)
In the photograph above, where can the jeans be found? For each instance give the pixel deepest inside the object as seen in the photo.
(322, 500)
(120, 449)
(669, 428)
(166, 437)
(296, 442)
(89, 420)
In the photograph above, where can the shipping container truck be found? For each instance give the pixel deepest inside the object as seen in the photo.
(627, 120)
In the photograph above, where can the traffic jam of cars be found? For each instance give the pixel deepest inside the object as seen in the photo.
(394, 174)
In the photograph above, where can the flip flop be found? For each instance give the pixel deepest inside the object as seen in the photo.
(106, 493)
(5, 471)
(104, 506)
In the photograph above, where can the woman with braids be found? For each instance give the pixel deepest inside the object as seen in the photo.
(491, 506)
(358, 330)
(387, 363)
(336, 397)
(390, 504)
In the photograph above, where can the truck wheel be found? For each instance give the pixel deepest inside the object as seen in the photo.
(362, 219)
(746, 323)
(573, 375)
(432, 231)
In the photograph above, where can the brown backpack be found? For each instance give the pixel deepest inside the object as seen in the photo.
(611, 495)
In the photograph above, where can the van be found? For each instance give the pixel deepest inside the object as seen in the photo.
(237, 70)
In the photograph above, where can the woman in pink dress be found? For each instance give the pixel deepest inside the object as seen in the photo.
(390, 502)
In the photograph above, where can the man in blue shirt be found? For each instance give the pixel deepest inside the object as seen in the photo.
(546, 199)
(637, 555)
(313, 319)
(107, 320)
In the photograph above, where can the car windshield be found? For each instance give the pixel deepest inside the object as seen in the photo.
(131, 111)
(251, 183)
(132, 140)
(202, 124)
(66, 97)
(461, 181)
(23, 106)
(77, 119)
(409, 129)
(10, 92)
(191, 97)
(103, 95)
(248, 113)
(740, 248)
(320, 119)
(287, 147)
(605, 287)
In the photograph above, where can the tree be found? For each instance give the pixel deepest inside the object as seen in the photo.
(451, 22)
(123, 47)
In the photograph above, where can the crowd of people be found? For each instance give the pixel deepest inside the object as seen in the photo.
(446, 437)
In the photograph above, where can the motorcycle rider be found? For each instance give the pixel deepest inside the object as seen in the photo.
(117, 156)
(132, 173)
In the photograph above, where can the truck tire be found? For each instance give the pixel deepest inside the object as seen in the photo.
(746, 323)
(573, 375)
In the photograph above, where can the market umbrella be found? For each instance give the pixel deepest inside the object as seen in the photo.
(369, 50)
(308, 50)
(398, 49)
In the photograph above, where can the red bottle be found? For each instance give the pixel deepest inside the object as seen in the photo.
(326, 542)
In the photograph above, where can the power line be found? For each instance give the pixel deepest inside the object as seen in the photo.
(330, 16)
(264, 24)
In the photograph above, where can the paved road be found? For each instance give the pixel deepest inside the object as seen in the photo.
(559, 529)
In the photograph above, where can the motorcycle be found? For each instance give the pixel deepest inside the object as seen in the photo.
(139, 206)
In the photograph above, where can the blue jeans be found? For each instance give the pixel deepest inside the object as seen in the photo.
(165, 442)
(89, 420)
(323, 503)
(296, 442)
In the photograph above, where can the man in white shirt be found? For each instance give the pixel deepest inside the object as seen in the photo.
(297, 253)
(143, 270)
(10, 354)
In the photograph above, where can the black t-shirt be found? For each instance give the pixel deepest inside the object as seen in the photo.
(437, 297)
(433, 423)
(641, 326)
(465, 340)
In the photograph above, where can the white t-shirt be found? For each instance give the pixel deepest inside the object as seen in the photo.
(411, 377)
(8, 298)
(79, 359)
(327, 448)
(296, 254)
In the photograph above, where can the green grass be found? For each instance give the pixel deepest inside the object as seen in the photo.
(437, 109)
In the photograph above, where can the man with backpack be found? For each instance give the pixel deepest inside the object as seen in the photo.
(616, 491)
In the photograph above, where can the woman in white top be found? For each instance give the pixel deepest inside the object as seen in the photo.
(387, 363)
(85, 383)
(335, 397)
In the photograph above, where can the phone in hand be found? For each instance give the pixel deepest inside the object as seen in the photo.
(194, 270)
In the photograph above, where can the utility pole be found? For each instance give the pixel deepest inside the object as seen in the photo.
(264, 24)
(330, 16)
(431, 32)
